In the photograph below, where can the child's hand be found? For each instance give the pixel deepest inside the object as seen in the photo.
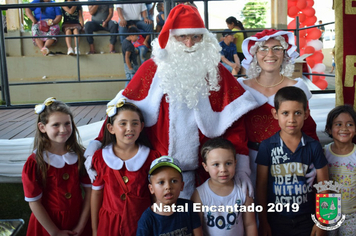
(65, 233)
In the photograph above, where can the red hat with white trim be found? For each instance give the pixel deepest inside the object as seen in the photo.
(264, 36)
(183, 19)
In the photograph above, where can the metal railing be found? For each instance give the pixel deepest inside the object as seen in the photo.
(168, 5)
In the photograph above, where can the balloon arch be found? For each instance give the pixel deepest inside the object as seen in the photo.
(309, 42)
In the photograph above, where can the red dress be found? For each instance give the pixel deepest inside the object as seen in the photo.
(62, 195)
(121, 209)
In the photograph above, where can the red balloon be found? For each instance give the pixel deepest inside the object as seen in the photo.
(310, 62)
(301, 4)
(318, 57)
(308, 11)
(310, 20)
(310, 3)
(302, 42)
(302, 33)
(301, 51)
(302, 17)
(315, 77)
(321, 83)
(309, 50)
(315, 33)
(293, 25)
(293, 11)
(292, 3)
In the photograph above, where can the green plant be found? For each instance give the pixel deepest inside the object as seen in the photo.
(254, 14)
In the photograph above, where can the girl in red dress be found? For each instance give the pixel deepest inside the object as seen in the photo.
(120, 191)
(52, 176)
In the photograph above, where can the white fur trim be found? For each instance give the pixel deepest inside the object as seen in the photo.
(189, 184)
(188, 31)
(221, 121)
(262, 99)
(33, 199)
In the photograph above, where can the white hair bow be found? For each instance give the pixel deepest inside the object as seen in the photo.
(113, 105)
(40, 107)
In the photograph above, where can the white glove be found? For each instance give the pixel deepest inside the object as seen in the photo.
(242, 174)
(88, 154)
(311, 175)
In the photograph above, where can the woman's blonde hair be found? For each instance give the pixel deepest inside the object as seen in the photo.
(42, 143)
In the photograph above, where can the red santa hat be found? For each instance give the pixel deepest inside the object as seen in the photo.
(183, 19)
(264, 36)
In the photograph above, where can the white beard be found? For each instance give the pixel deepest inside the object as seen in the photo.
(188, 74)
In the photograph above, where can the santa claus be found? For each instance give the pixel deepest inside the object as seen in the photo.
(188, 97)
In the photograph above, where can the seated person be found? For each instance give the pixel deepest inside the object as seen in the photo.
(162, 218)
(133, 12)
(50, 17)
(142, 42)
(73, 23)
(101, 20)
(160, 19)
(228, 52)
(129, 53)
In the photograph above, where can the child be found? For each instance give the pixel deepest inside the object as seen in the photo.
(340, 125)
(160, 19)
(120, 194)
(219, 161)
(333, 60)
(52, 175)
(130, 53)
(142, 43)
(73, 23)
(169, 215)
(282, 163)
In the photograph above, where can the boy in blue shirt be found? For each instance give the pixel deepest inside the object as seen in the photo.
(169, 215)
(282, 163)
(228, 52)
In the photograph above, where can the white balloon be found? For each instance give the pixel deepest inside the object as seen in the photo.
(320, 68)
(316, 44)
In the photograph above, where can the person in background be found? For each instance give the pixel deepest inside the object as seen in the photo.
(332, 60)
(101, 20)
(141, 43)
(322, 29)
(160, 19)
(133, 12)
(129, 53)
(51, 16)
(236, 25)
(54, 177)
(73, 23)
(269, 65)
(228, 52)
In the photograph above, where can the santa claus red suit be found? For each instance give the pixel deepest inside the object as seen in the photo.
(188, 97)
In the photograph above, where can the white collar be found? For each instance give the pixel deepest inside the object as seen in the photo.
(132, 164)
(59, 161)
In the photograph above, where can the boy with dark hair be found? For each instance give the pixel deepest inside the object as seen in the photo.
(221, 190)
(282, 163)
(169, 215)
(142, 43)
(130, 54)
(228, 52)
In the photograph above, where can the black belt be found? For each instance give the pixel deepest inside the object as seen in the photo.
(253, 145)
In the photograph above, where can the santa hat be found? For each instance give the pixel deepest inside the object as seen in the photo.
(264, 36)
(183, 19)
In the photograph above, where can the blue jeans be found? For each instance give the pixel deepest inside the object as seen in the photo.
(143, 51)
(130, 73)
(140, 25)
(227, 66)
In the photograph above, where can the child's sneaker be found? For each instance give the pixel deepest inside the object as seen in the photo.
(70, 51)
(76, 51)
